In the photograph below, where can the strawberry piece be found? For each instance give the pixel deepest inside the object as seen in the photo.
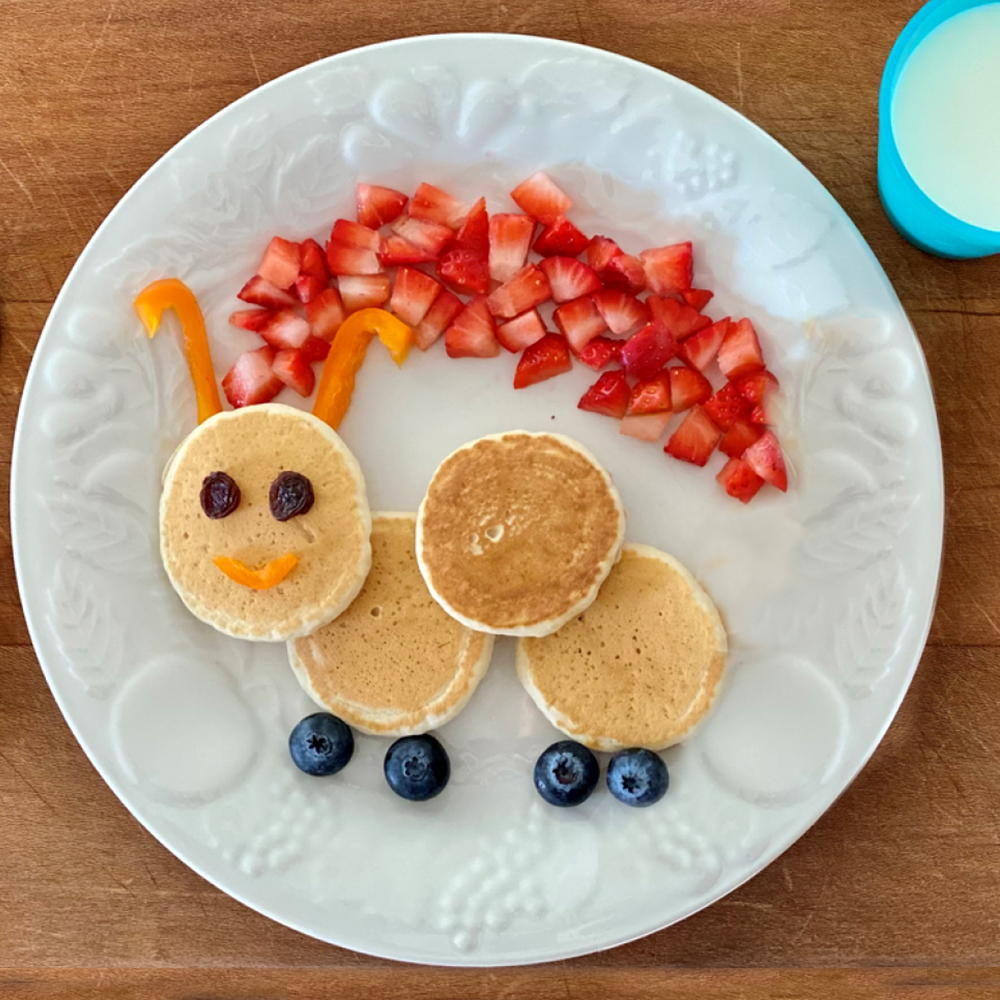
(521, 331)
(668, 269)
(680, 319)
(739, 437)
(625, 272)
(281, 262)
(527, 289)
(580, 322)
(765, 458)
(688, 388)
(608, 395)
(699, 350)
(561, 239)
(325, 314)
(726, 406)
(314, 349)
(697, 298)
(757, 386)
(541, 198)
(259, 291)
(569, 278)
(429, 236)
(475, 232)
(622, 311)
(439, 317)
(251, 319)
(313, 261)
(295, 371)
(695, 439)
(464, 271)
(600, 352)
(378, 206)
(510, 239)
(645, 426)
(542, 360)
(307, 287)
(364, 291)
(648, 350)
(412, 295)
(251, 379)
(739, 480)
(740, 353)
(343, 259)
(286, 330)
(394, 251)
(601, 252)
(651, 395)
(472, 333)
(353, 234)
(431, 204)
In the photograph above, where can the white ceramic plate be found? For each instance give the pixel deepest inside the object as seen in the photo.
(827, 592)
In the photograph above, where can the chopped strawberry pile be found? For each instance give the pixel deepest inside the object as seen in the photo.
(453, 271)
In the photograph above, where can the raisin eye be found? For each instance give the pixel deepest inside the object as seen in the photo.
(291, 494)
(220, 495)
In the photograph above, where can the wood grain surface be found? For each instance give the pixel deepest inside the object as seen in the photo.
(896, 891)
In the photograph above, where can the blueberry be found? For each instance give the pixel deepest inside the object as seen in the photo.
(637, 777)
(321, 744)
(417, 767)
(566, 774)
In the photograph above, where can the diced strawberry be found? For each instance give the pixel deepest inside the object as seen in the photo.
(429, 236)
(699, 350)
(472, 333)
(601, 252)
(765, 458)
(286, 330)
(510, 240)
(625, 272)
(475, 232)
(307, 287)
(651, 395)
(378, 205)
(364, 291)
(251, 319)
(608, 395)
(353, 234)
(561, 239)
(739, 480)
(569, 278)
(647, 351)
(325, 314)
(756, 386)
(601, 352)
(251, 379)
(541, 198)
(680, 319)
(260, 292)
(295, 371)
(580, 322)
(413, 293)
(434, 205)
(739, 437)
(521, 331)
(464, 271)
(446, 307)
(542, 360)
(688, 388)
(281, 262)
(395, 251)
(645, 426)
(695, 439)
(740, 353)
(527, 289)
(351, 260)
(726, 406)
(621, 311)
(314, 349)
(313, 261)
(697, 298)
(668, 269)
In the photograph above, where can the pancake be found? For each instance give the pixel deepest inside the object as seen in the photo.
(518, 531)
(330, 541)
(640, 668)
(393, 664)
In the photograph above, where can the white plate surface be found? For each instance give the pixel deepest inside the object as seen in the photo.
(828, 591)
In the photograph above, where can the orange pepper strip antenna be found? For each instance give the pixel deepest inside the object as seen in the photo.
(336, 381)
(257, 579)
(172, 293)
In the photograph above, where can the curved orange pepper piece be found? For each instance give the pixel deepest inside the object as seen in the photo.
(172, 293)
(336, 381)
(257, 579)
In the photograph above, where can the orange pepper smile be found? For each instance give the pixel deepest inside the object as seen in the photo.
(257, 579)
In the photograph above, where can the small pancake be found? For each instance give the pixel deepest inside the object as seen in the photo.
(330, 541)
(640, 668)
(393, 664)
(518, 531)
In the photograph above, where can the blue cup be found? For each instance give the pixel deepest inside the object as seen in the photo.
(923, 222)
